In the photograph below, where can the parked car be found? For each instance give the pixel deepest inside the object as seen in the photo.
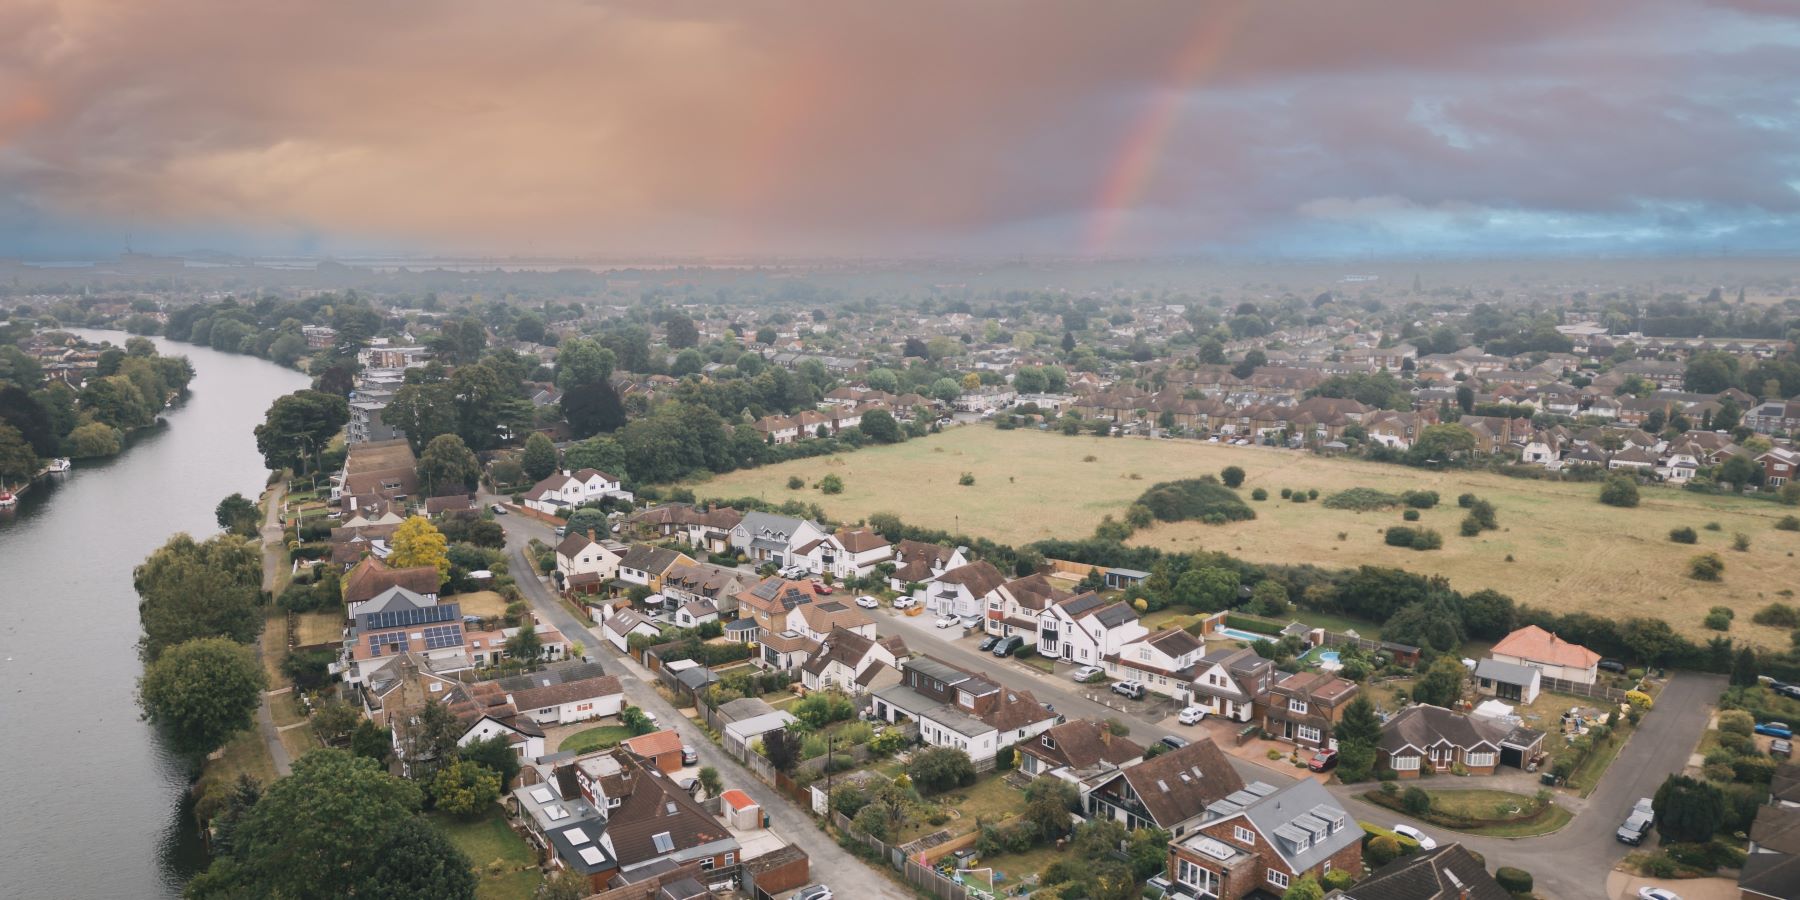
(987, 643)
(813, 892)
(499, 509)
(905, 603)
(1173, 741)
(1323, 761)
(651, 718)
(820, 587)
(1424, 840)
(1655, 893)
(1085, 673)
(1132, 689)
(867, 602)
(1774, 729)
(1645, 807)
(1781, 748)
(689, 755)
(970, 621)
(1009, 645)
(1191, 715)
(562, 530)
(1613, 666)
(1790, 691)
(1636, 826)
(945, 621)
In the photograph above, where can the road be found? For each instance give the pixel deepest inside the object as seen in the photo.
(1571, 864)
(831, 864)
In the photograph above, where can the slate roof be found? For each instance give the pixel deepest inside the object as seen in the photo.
(1786, 784)
(1448, 873)
(1082, 743)
(1081, 604)
(1505, 672)
(1180, 784)
(1423, 726)
(1113, 616)
(653, 805)
(1303, 809)
(1777, 828)
(648, 558)
(1174, 641)
(979, 577)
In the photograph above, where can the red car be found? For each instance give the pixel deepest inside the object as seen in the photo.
(819, 586)
(1322, 761)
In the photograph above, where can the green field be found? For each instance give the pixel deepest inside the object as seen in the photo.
(1557, 547)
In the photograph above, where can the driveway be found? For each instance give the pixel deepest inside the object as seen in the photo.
(847, 875)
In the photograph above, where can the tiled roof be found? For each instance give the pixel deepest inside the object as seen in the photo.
(1179, 784)
(1538, 645)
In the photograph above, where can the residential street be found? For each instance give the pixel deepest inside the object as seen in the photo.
(1572, 864)
(847, 875)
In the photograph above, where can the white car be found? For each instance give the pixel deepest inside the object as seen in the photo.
(813, 892)
(1424, 840)
(1191, 715)
(904, 603)
(1655, 893)
(867, 602)
(946, 621)
(1084, 673)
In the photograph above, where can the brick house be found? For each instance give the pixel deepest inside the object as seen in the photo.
(1424, 737)
(1260, 838)
(1171, 791)
(1305, 707)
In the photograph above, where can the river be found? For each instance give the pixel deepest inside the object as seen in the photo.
(94, 804)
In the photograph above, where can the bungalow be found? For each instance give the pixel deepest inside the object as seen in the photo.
(1231, 683)
(1264, 839)
(962, 591)
(852, 662)
(1081, 752)
(1170, 791)
(785, 651)
(1084, 629)
(564, 694)
(1772, 868)
(1164, 662)
(661, 749)
(371, 577)
(622, 624)
(695, 613)
(766, 537)
(1533, 646)
(1423, 737)
(1305, 707)
(955, 708)
(1507, 681)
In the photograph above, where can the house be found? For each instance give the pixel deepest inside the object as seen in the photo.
(371, 577)
(1304, 708)
(1779, 466)
(1015, 607)
(1556, 658)
(661, 749)
(1264, 839)
(962, 591)
(1084, 629)
(853, 662)
(821, 617)
(785, 650)
(1171, 791)
(846, 553)
(1232, 683)
(650, 822)
(717, 585)
(955, 708)
(916, 562)
(1165, 662)
(1424, 737)
(1507, 681)
(771, 601)
(385, 469)
(560, 695)
(695, 613)
(558, 493)
(1772, 868)
(397, 622)
(584, 564)
(621, 624)
(646, 564)
(1082, 752)
(766, 537)
(1448, 873)
(1784, 788)
(708, 529)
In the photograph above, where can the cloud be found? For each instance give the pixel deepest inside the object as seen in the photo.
(859, 126)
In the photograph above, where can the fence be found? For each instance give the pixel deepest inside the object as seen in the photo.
(917, 874)
(1557, 685)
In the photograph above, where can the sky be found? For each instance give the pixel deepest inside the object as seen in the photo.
(1280, 129)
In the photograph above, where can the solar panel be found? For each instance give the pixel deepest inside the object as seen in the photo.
(438, 637)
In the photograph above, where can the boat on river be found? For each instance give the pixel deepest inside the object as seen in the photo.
(60, 465)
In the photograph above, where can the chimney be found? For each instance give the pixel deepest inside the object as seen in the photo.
(591, 535)
(1105, 735)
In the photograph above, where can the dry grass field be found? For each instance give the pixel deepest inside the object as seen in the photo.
(1557, 546)
(481, 603)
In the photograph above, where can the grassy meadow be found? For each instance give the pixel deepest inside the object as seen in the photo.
(1556, 547)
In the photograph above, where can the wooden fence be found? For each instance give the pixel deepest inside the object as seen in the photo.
(917, 874)
(1576, 688)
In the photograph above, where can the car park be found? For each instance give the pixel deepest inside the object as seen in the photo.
(1421, 838)
(1636, 826)
(1191, 715)
(1648, 892)
(1085, 673)
(1008, 645)
(1323, 761)
(1132, 689)
(987, 643)
(1173, 742)
(945, 621)
(1774, 729)
(689, 755)
(1782, 748)
(867, 602)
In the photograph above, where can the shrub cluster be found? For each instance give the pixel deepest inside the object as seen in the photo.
(1195, 498)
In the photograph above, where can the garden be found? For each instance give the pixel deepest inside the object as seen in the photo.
(1476, 811)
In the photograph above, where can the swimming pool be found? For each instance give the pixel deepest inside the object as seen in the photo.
(1328, 656)
(1243, 635)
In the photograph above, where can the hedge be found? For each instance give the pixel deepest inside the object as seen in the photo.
(1245, 623)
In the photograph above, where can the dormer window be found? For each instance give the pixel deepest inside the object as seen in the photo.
(1296, 705)
(1048, 742)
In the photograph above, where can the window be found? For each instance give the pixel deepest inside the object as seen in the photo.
(1476, 760)
(1143, 653)
(706, 864)
(1404, 763)
(1278, 878)
(1244, 834)
(1308, 733)
(731, 859)
(1296, 705)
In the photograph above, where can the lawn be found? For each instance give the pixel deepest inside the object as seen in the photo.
(1487, 804)
(1557, 546)
(1011, 868)
(598, 738)
(989, 800)
(506, 864)
(314, 629)
(244, 754)
(486, 604)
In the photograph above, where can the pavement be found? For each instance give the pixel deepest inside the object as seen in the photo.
(271, 541)
(1571, 864)
(847, 875)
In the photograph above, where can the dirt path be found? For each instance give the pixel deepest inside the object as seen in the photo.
(271, 550)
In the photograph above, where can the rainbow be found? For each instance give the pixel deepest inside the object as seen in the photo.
(1132, 167)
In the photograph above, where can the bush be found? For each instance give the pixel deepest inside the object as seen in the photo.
(1427, 539)
(1195, 498)
(1788, 523)
(1382, 850)
(795, 482)
(1399, 536)
(1301, 496)
(1287, 493)
(939, 769)
(1465, 500)
(1470, 527)
(1736, 721)
(1361, 499)
(1312, 494)
(1619, 490)
(1706, 567)
(1420, 499)
(1740, 542)
(1259, 494)
(967, 479)
(1233, 476)
(1416, 801)
(1660, 866)
(831, 484)
(1718, 618)
(1684, 535)
(1516, 881)
(1412, 515)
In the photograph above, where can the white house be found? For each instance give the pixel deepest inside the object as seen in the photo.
(1016, 606)
(848, 553)
(525, 739)
(560, 696)
(1165, 662)
(919, 562)
(962, 591)
(1230, 683)
(1084, 629)
(954, 708)
(622, 624)
(848, 658)
(695, 613)
(1556, 658)
(565, 489)
(584, 563)
(766, 537)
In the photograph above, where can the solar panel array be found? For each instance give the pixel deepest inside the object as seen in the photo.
(438, 637)
(395, 640)
(416, 615)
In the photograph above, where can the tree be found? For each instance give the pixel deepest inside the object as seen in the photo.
(1048, 804)
(525, 644)
(938, 769)
(420, 863)
(881, 427)
(1442, 683)
(1430, 622)
(190, 590)
(447, 466)
(782, 750)
(1740, 472)
(1030, 380)
(238, 515)
(496, 755)
(1744, 668)
(1360, 724)
(1207, 588)
(202, 692)
(539, 458)
(422, 411)
(1068, 342)
(480, 399)
(709, 781)
(1711, 371)
(315, 832)
(946, 390)
(1249, 364)
(1619, 490)
(1233, 476)
(95, 440)
(297, 427)
(581, 361)
(1688, 810)
(417, 542)
(1269, 598)
(1306, 888)
(592, 408)
(18, 462)
(465, 788)
(1441, 443)
(680, 332)
(371, 741)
